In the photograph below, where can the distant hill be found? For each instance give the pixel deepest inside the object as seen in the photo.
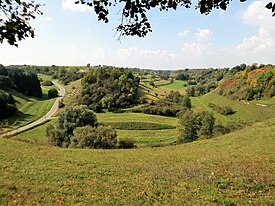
(251, 83)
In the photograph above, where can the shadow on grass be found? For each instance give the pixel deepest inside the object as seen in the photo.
(18, 118)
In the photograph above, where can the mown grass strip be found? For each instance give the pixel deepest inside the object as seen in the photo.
(139, 125)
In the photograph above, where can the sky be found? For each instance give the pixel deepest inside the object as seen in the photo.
(69, 34)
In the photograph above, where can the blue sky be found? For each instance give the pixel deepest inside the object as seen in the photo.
(69, 34)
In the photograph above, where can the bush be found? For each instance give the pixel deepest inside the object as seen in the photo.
(52, 93)
(106, 137)
(57, 137)
(224, 110)
(83, 137)
(47, 83)
(196, 124)
(126, 143)
(219, 129)
(102, 137)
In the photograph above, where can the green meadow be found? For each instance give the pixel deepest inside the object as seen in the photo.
(234, 169)
(30, 108)
(248, 112)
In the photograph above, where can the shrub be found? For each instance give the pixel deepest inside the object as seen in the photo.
(47, 83)
(195, 124)
(106, 137)
(219, 129)
(52, 93)
(224, 110)
(83, 137)
(56, 136)
(160, 107)
(126, 143)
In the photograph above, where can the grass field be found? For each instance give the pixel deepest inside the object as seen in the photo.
(162, 90)
(29, 108)
(235, 169)
(247, 112)
(177, 85)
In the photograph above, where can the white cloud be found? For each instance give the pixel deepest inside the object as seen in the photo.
(144, 58)
(184, 33)
(195, 48)
(70, 5)
(203, 34)
(264, 41)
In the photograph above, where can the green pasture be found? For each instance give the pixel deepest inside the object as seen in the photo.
(152, 136)
(29, 109)
(176, 85)
(235, 169)
(245, 111)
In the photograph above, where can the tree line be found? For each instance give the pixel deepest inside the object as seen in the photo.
(23, 81)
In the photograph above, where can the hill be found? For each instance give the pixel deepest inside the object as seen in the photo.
(247, 112)
(251, 83)
(234, 169)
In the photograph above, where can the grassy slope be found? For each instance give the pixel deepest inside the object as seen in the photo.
(30, 108)
(237, 168)
(143, 137)
(249, 113)
(163, 88)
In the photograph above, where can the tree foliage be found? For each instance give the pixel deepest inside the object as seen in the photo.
(186, 102)
(52, 93)
(73, 117)
(23, 81)
(249, 83)
(77, 127)
(108, 88)
(15, 17)
(7, 105)
(134, 20)
(103, 137)
(65, 74)
(195, 124)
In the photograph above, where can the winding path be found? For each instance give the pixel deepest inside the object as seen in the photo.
(44, 118)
